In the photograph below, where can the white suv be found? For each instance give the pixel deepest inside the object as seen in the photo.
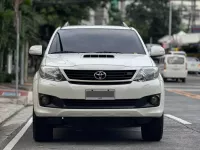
(97, 76)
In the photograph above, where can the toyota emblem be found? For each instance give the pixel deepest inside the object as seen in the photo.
(100, 75)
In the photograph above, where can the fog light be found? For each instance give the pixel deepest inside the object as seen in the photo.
(155, 100)
(45, 100)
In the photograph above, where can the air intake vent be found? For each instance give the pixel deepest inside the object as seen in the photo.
(98, 56)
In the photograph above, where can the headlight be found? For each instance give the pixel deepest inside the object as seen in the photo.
(146, 74)
(51, 73)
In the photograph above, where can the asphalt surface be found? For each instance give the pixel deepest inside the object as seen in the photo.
(182, 101)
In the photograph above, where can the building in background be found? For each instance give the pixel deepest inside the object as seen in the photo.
(190, 12)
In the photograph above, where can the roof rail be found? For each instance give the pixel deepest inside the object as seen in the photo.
(66, 24)
(125, 25)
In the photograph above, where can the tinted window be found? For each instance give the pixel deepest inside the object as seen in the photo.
(98, 40)
(193, 59)
(55, 46)
(175, 60)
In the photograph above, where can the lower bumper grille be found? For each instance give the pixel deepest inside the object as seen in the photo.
(99, 104)
(104, 104)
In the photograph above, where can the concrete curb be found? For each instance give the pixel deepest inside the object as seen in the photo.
(11, 115)
(13, 133)
(11, 136)
(12, 86)
(22, 100)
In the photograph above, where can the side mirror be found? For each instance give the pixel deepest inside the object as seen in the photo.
(35, 50)
(157, 51)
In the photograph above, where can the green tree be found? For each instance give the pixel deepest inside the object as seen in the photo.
(151, 18)
(36, 20)
(58, 14)
(30, 24)
(6, 30)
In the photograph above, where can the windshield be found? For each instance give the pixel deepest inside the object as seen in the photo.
(175, 60)
(97, 41)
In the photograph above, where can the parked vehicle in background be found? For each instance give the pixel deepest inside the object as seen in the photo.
(193, 64)
(178, 53)
(173, 67)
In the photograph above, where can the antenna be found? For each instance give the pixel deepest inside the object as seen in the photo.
(125, 25)
(66, 24)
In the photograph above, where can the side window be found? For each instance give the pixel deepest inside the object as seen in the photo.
(55, 46)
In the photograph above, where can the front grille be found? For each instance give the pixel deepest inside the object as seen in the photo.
(110, 74)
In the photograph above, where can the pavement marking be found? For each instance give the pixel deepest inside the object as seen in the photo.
(181, 92)
(188, 90)
(14, 141)
(177, 119)
(182, 86)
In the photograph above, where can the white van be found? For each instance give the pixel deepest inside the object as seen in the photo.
(173, 67)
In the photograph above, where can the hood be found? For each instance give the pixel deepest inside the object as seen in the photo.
(68, 60)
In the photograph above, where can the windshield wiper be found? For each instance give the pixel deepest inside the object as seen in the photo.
(107, 52)
(66, 52)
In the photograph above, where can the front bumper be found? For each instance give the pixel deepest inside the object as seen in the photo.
(97, 122)
(65, 90)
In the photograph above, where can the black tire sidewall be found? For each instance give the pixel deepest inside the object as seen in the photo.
(42, 131)
(153, 131)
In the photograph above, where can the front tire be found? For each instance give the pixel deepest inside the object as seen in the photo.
(153, 131)
(42, 132)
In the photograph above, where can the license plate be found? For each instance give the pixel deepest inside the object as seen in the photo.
(176, 68)
(100, 94)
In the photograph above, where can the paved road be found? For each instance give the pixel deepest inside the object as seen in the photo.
(182, 104)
